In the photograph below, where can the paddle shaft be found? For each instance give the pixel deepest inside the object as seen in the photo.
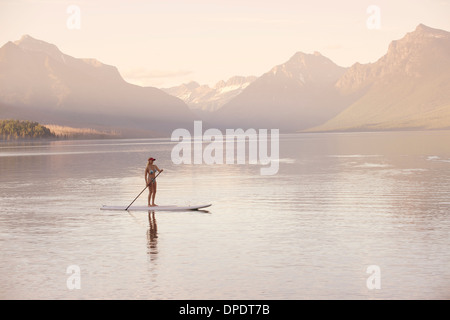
(143, 191)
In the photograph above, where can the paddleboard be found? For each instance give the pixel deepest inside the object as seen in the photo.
(155, 208)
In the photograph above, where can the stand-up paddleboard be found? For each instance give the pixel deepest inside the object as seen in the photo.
(155, 208)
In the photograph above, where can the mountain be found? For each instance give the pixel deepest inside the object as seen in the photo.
(408, 88)
(300, 93)
(38, 82)
(204, 98)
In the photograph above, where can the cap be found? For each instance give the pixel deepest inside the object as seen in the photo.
(151, 159)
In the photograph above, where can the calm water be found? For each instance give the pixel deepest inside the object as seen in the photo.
(339, 203)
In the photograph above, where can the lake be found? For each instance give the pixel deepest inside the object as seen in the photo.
(341, 206)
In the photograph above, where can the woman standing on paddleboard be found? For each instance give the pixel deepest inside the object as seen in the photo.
(150, 180)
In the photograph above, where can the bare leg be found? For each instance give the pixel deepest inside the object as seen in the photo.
(154, 193)
(150, 194)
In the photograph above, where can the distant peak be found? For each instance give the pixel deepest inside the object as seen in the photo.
(192, 85)
(302, 56)
(299, 54)
(421, 35)
(235, 81)
(29, 43)
(26, 38)
(308, 60)
(423, 29)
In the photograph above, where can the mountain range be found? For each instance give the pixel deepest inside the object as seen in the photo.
(202, 97)
(407, 88)
(295, 95)
(39, 82)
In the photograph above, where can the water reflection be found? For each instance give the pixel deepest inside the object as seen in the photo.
(347, 201)
(152, 235)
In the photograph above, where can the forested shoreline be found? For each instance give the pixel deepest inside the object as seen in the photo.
(17, 129)
(11, 129)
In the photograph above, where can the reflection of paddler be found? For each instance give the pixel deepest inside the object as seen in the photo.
(152, 233)
(150, 180)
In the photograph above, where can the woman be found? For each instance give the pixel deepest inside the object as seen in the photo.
(150, 180)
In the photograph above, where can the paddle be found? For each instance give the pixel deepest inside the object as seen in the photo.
(143, 190)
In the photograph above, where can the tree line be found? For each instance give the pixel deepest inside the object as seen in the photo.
(16, 129)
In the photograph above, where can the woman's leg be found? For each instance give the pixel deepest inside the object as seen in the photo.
(149, 194)
(154, 193)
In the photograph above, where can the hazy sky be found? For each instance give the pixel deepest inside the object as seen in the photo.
(169, 42)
